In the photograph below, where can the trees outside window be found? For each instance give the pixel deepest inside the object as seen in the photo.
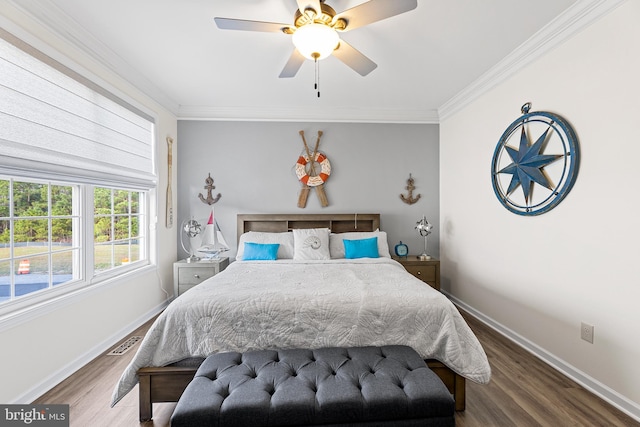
(116, 227)
(68, 142)
(41, 238)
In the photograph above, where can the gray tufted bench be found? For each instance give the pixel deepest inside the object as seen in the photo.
(363, 386)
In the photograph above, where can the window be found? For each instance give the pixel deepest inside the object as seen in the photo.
(38, 243)
(76, 174)
(41, 225)
(117, 236)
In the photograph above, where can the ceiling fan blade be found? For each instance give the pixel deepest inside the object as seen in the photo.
(309, 4)
(354, 58)
(293, 64)
(373, 11)
(241, 24)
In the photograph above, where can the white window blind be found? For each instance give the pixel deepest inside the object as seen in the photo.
(56, 123)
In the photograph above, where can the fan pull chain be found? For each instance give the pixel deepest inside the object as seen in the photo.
(316, 86)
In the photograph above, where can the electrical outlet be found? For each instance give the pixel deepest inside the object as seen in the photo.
(586, 332)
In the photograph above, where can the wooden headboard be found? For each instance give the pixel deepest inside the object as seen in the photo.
(337, 223)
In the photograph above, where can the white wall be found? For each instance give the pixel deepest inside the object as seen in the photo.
(52, 344)
(252, 164)
(538, 278)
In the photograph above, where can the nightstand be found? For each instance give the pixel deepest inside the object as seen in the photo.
(186, 275)
(427, 271)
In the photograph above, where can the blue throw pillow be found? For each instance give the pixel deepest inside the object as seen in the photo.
(362, 248)
(260, 251)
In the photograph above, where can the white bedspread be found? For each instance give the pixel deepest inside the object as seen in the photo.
(310, 304)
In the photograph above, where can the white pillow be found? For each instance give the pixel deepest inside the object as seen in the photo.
(311, 244)
(285, 250)
(336, 247)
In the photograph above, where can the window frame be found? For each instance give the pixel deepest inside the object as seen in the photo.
(143, 224)
(23, 166)
(87, 276)
(49, 252)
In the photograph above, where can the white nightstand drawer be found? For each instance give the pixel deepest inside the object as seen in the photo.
(186, 275)
(193, 276)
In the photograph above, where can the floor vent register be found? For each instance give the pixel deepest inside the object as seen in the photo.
(125, 346)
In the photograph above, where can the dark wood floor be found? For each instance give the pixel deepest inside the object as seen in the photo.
(523, 392)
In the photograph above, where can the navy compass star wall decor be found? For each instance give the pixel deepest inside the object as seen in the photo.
(543, 164)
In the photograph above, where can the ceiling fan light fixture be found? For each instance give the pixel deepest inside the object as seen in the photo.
(315, 41)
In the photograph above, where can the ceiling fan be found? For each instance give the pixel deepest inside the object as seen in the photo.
(315, 31)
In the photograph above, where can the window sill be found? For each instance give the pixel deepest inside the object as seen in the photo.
(17, 314)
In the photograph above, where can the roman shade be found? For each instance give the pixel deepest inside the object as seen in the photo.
(56, 123)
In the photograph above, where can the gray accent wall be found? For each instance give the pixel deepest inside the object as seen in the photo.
(252, 164)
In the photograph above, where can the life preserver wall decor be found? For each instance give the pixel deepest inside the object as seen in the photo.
(307, 173)
(544, 169)
(313, 181)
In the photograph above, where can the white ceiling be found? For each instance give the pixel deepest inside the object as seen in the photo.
(428, 59)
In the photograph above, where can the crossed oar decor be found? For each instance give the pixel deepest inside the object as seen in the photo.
(307, 172)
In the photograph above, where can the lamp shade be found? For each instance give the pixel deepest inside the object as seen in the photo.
(424, 228)
(191, 229)
(315, 41)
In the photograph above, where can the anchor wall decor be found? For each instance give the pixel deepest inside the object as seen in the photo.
(409, 199)
(209, 200)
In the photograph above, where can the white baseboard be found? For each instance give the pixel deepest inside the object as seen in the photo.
(57, 377)
(596, 387)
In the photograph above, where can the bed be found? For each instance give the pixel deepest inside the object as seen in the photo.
(299, 299)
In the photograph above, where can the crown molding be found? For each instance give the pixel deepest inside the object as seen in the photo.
(577, 17)
(51, 17)
(308, 114)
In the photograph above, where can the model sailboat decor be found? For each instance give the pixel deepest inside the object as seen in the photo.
(213, 242)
